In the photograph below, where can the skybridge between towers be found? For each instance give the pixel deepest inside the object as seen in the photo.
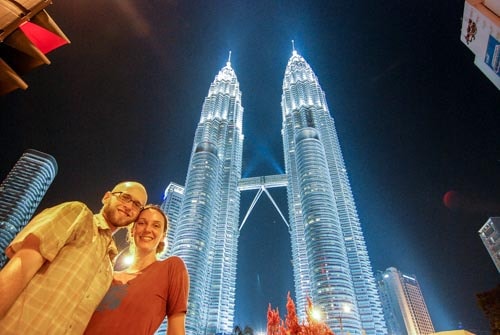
(329, 255)
(261, 184)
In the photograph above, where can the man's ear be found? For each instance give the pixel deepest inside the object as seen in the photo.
(106, 196)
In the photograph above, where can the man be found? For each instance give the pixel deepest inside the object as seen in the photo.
(60, 264)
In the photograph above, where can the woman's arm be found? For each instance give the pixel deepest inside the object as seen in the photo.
(176, 324)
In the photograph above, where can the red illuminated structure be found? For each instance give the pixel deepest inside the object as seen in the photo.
(312, 325)
(27, 34)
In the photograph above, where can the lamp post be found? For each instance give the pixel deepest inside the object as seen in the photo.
(345, 309)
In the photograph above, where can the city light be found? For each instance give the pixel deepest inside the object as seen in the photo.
(346, 308)
(127, 260)
(316, 314)
(123, 260)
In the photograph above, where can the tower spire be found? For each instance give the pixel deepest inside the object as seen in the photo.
(229, 59)
(294, 52)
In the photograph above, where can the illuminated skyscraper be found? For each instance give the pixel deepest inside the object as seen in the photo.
(330, 259)
(403, 303)
(206, 235)
(171, 205)
(490, 235)
(21, 193)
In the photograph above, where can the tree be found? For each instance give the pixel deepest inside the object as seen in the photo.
(291, 326)
(490, 304)
(274, 322)
(292, 322)
(248, 330)
(237, 331)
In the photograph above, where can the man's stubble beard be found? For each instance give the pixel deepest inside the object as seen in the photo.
(116, 218)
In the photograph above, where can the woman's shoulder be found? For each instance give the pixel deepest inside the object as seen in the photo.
(173, 260)
(173, 263)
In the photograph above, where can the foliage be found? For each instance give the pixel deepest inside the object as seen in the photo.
(291, 325)
(490, 304)
(246, 331)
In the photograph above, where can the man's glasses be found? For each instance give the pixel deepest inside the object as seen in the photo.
(127, 198)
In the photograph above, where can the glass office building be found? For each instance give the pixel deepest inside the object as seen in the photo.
(490, 235)
(21, 193)
(403, 304)
(171, 205)
(206, 235)
(330, 259)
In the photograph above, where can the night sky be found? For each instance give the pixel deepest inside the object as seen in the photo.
(415, 118)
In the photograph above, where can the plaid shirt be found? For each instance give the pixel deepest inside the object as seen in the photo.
(63, 294)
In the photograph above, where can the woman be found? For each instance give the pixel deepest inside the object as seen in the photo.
(148, 290)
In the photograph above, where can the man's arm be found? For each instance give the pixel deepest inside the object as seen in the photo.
(19, 271)
(176, 324)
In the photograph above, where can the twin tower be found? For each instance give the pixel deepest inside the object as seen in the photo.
(330, 259)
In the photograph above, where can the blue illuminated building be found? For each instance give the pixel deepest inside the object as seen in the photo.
(206, 235)
(330, 259)
(171, 205)
(329, 255)
(21, 193)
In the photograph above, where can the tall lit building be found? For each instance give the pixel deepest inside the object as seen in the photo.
(490, 235)
(207, 233)
(21, 193)
(403, 303)
(171, 205)
(330, 259)
(481, 34)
